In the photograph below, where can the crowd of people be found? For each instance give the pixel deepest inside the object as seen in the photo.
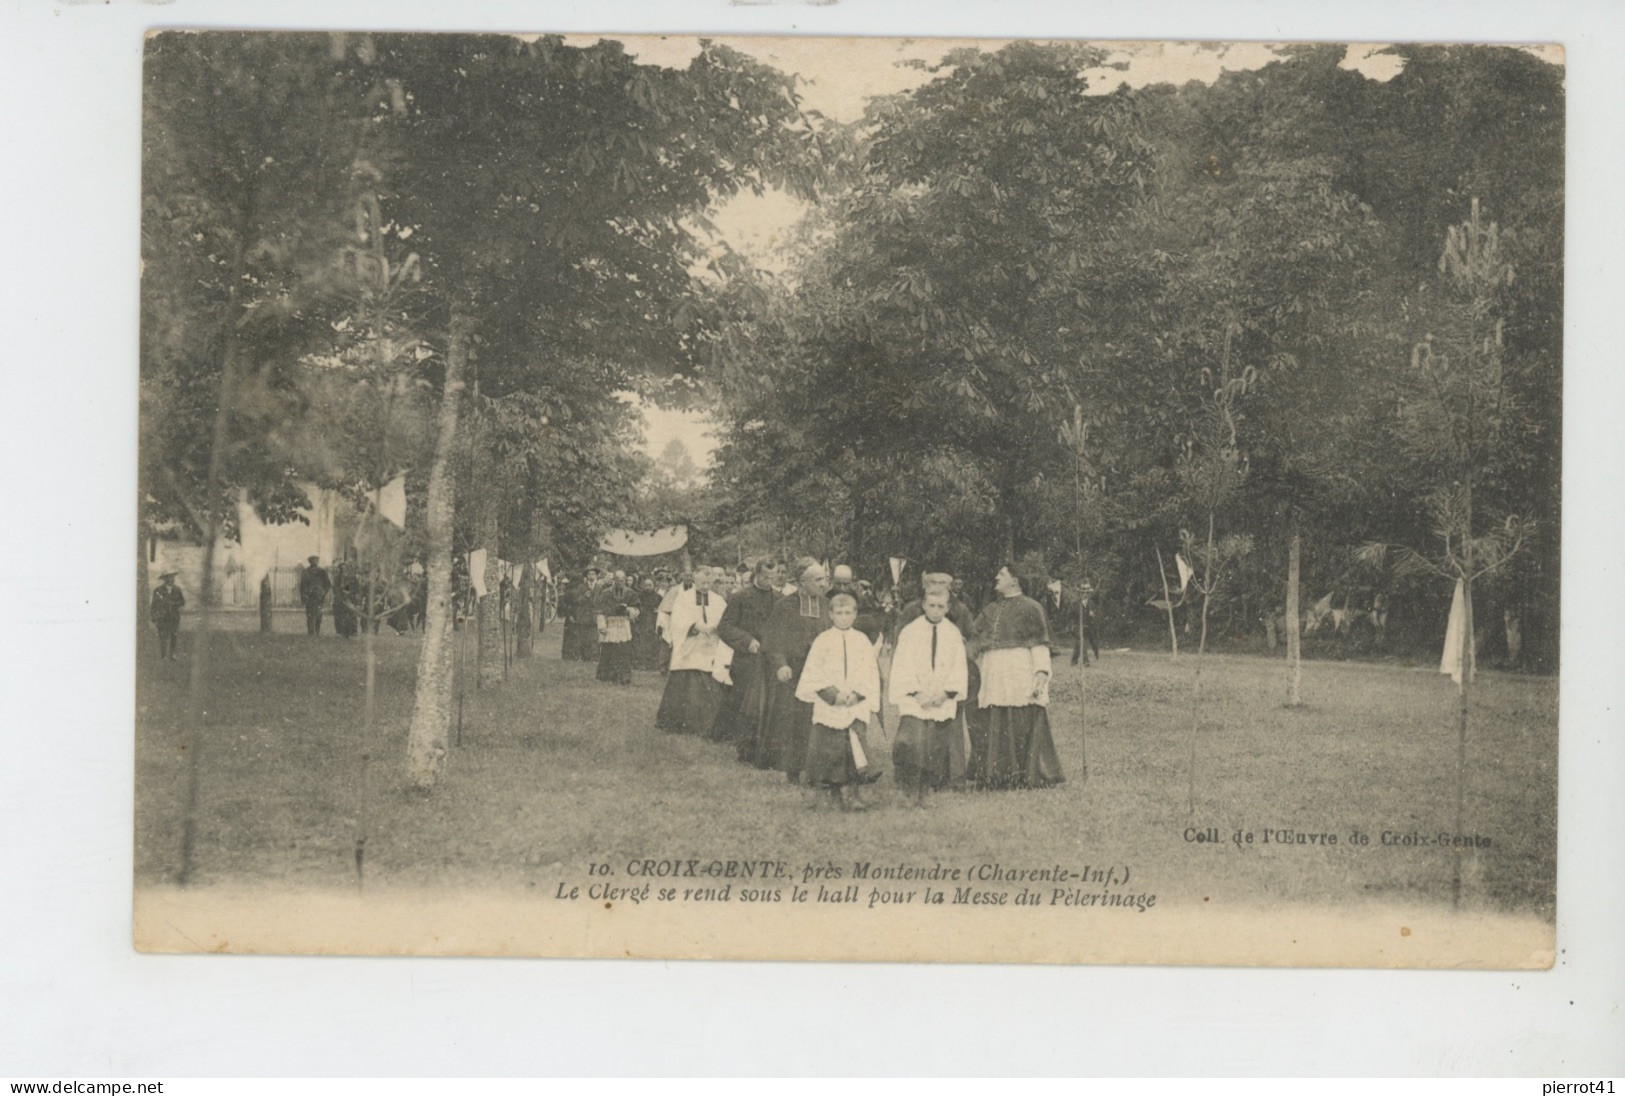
(357, 595)
(796, 667)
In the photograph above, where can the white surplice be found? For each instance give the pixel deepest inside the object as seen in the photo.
(842, 658)
(913, 675)
(691, 647)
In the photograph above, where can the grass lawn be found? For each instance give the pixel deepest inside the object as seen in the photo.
(555, 770)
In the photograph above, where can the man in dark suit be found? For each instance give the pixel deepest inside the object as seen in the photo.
(1091, 629)
(314, 586)
(1062, 613)
(167, 602)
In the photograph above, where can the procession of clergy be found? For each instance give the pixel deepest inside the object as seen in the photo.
(791, 676)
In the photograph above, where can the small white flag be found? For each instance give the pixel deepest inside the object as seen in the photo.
(1185, 572)
(1455, 636)
(476, 571)
(541, 565)
(897, 565)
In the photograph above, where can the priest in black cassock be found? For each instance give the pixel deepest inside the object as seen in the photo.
(797, 620)
(743, 628)
(576, 605)
(645, 639)
(1011, 746)
(615, 610)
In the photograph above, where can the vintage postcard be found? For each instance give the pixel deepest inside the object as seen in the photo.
(850, 499)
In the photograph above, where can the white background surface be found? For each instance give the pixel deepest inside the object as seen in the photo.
(76, 1000)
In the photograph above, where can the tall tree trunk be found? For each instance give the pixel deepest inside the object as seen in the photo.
(1294, 647)
(1083, 693)
(488, 613)
(1469, 661)
(1196, 682)
(198, 682)
(369, 709)
(192, 726)
(143, 583)
(524, 602)
(1080, 653)
(1168, 600)
(855, 535)
(430, 734)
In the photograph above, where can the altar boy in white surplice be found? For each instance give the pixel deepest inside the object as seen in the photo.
(841, 680)
(928, 680)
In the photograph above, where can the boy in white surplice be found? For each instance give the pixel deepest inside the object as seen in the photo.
(928, 680)
(841, 680)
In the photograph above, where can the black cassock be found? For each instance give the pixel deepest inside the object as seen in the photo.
(782, 737)
(745, 706)
(645, 632)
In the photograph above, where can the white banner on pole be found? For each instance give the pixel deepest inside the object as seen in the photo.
(476, 571)
(392, 502)
(1455, 636)
(897, 565)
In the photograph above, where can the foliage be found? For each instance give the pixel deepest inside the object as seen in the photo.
(937, 321)
(286, 177)
(1010, 245)
(1455, 417)
(253, 146)
(997, 252)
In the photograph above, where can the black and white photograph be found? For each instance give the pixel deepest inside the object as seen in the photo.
(985, 500)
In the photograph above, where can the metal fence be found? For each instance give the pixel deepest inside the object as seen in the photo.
(237, 592)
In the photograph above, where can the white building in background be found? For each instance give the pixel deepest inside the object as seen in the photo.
(280, 551)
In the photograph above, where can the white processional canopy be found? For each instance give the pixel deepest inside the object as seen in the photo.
(626, 542)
